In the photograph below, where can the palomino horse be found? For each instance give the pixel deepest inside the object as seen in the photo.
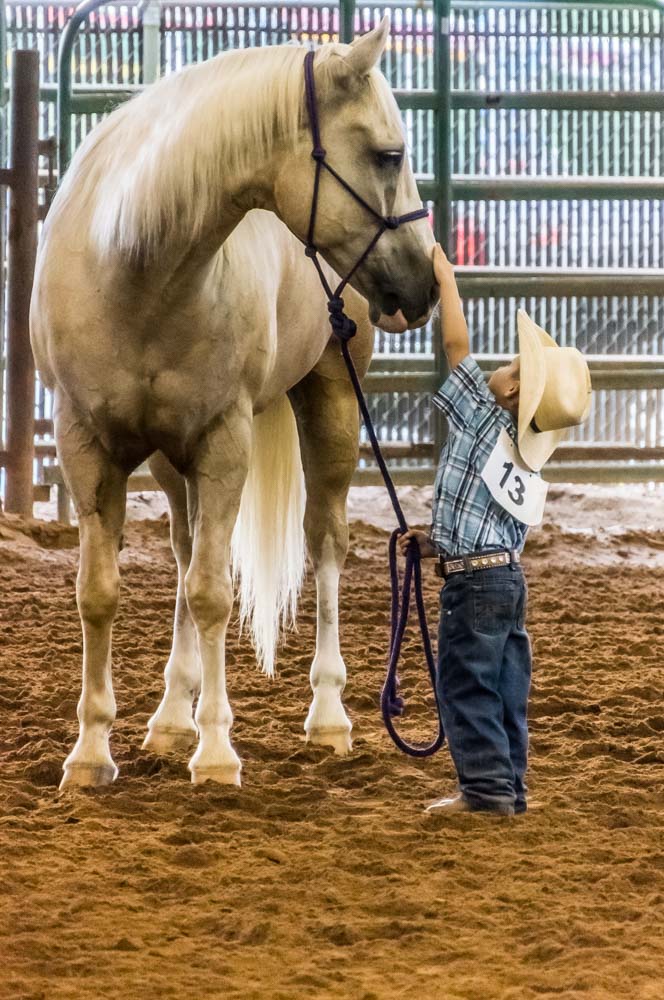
(132, 328)
(313, 429)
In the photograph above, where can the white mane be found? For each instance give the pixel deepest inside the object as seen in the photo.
(153, 169)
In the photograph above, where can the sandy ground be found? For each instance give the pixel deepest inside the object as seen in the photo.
(322, 877)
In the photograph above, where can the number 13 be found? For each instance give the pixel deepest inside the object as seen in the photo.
(520, 486)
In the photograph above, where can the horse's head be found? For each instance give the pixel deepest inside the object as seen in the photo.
(362, 134)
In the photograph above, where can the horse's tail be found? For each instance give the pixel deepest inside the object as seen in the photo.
(268, 547)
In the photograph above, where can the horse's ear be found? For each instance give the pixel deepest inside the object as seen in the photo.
(365, 51)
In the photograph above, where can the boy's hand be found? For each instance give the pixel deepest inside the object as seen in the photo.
(456, 343)
(419, 538)
(442, 268)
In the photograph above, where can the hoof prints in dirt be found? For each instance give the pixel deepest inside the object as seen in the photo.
(322, 876)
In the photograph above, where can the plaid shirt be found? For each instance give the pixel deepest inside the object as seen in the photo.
(466, 518)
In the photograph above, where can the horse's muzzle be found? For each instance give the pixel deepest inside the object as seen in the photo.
(404, 309)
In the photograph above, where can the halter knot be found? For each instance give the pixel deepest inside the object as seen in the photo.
(391, 222)
(310, 251)
(342, 325)
(318, 153)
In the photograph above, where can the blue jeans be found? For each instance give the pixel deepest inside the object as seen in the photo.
(484, 667)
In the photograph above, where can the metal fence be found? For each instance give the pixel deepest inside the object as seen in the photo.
(556, 161)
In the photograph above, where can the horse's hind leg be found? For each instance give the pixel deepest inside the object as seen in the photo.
(172, 726)
(98, 490)
(327, 417)
(214, 489)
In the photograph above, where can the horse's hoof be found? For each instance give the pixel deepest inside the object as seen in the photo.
(167, 740)
(228, 774)
(339, 739)
(88, 775)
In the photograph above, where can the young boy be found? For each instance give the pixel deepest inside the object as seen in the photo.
(486, 493)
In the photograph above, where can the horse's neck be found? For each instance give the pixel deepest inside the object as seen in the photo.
(187, 265)
(173, 197)
(159, 186)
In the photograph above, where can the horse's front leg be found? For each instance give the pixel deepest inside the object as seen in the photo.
(214, 489)
(98, 489)
(327, 417)
(172, 726)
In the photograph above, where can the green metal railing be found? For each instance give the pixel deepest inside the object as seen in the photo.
(68, 103)
(3, 58)
(4, 98)
(473, 80)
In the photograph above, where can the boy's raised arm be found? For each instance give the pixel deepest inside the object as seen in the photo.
(456, 343)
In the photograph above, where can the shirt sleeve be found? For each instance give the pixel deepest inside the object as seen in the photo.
(465, 397)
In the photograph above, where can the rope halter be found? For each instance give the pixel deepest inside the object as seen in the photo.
(342, 325)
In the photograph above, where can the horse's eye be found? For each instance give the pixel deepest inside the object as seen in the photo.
(390, 158)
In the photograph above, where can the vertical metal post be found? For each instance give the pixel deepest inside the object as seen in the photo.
(3, 55)
(151, 40)
(3, 192)
(443, 124)
(20, 271)
(65, 50)
(443, 174)
(346, 20)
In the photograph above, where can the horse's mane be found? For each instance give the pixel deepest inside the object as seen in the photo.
(151, 171)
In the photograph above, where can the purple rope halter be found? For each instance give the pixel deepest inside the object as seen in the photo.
(344, 328)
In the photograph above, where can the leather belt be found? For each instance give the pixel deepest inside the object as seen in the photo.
(488, 560)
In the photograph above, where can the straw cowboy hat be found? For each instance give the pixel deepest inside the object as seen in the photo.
(554, 392)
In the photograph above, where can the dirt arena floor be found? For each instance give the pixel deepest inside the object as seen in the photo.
(322, 877)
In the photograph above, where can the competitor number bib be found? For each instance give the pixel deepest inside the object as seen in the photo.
(510, 482)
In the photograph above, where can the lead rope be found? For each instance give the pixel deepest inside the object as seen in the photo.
(344, 329)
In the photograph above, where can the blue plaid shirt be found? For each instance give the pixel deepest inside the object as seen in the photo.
(466, 518)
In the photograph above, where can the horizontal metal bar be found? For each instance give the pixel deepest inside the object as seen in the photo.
(600, 451)
(556, 472)
(429, 382)
(403, 363)
(573, 451)
(604, 472)
(420, 475)
(553, 100)
(99, 104)
(525, 188)
(399, 449)
(556, 6)
(473, 6)
(614, 363)
(514, 282)
(90, 99)
(142, 482)
(423, 475)
(84, 92)
(643, 379)
(379, 382)
(417, 100)
(429, 190)
(626, 373)
(541, 100)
